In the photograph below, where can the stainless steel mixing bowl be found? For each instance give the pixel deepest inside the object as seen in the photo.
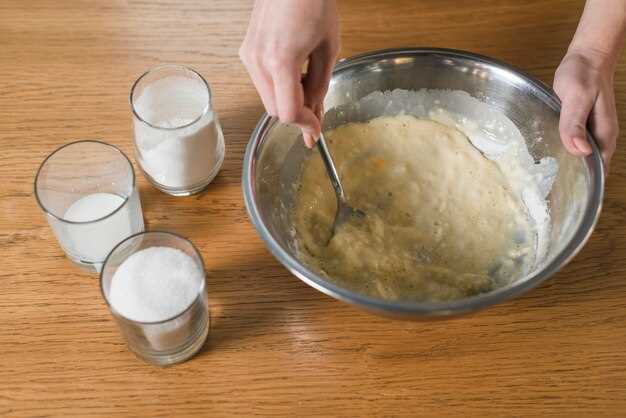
(274, 156)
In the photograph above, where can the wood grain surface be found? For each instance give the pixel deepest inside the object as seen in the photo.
(277, 347)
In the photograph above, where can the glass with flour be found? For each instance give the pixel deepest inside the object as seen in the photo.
(87, 191)
(154, 284)
(178, 139)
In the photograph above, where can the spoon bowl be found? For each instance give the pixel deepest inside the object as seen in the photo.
(344, 210)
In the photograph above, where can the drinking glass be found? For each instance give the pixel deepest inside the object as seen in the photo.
(179, 142)
(171, 340)
(88, 194)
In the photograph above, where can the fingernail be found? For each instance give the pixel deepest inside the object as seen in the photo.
(582, 145)
(310, 132)
(308, 141)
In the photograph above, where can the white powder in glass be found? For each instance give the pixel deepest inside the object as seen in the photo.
(155, 284)
(182, 157)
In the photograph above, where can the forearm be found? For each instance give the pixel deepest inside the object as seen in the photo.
(601, 30)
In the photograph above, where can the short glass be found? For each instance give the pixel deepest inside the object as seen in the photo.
(179, 142)
(172, 340)
(87, 191)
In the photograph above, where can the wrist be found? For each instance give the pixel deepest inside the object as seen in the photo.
(597, 58)
(600, 34)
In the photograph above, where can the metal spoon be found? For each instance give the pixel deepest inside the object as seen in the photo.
(344, 210)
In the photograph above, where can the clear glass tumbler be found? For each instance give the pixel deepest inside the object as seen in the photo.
(178, 138)
(87, 191)
(171, 340)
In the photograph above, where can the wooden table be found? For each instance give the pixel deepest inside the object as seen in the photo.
(277, 347)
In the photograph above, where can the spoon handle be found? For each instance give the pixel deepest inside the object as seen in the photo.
(330, 167)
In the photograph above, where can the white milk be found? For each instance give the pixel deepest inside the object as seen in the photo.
(93, 241)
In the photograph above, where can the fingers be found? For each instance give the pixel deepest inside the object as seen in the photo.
(308, 140)
(316, 82)
(604, 124)
(318, 111)
(287, 90)
(281, 36)
(321, 64)
(584, 82)
(575, 109)
(282, 94)
(264, 85)
(260, 77)
(289, 94)
(308, 119)
(278, 83)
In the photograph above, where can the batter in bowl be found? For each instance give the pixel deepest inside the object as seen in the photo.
(442, 221)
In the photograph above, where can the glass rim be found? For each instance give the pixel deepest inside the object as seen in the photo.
(205, 110)
(133, 236)
(62, 147)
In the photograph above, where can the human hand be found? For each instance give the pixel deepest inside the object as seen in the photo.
(282, 36)
(584, 83)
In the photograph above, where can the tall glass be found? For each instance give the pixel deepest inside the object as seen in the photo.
(171, 340)
(87, 191)
(179, 142)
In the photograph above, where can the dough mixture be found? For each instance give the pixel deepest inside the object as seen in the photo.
(442, 222)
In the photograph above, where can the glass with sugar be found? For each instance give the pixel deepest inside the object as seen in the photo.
(179, 142)
(154, 284)
(87, 191)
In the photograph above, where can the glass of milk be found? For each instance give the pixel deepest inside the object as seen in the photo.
(154, 283)
(87, 191)
(179, 143)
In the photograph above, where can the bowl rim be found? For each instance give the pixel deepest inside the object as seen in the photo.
(592, 210)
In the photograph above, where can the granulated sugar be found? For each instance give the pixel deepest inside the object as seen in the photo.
(155, 284)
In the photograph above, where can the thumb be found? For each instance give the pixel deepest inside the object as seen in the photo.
(575, 110)
(310, 125)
